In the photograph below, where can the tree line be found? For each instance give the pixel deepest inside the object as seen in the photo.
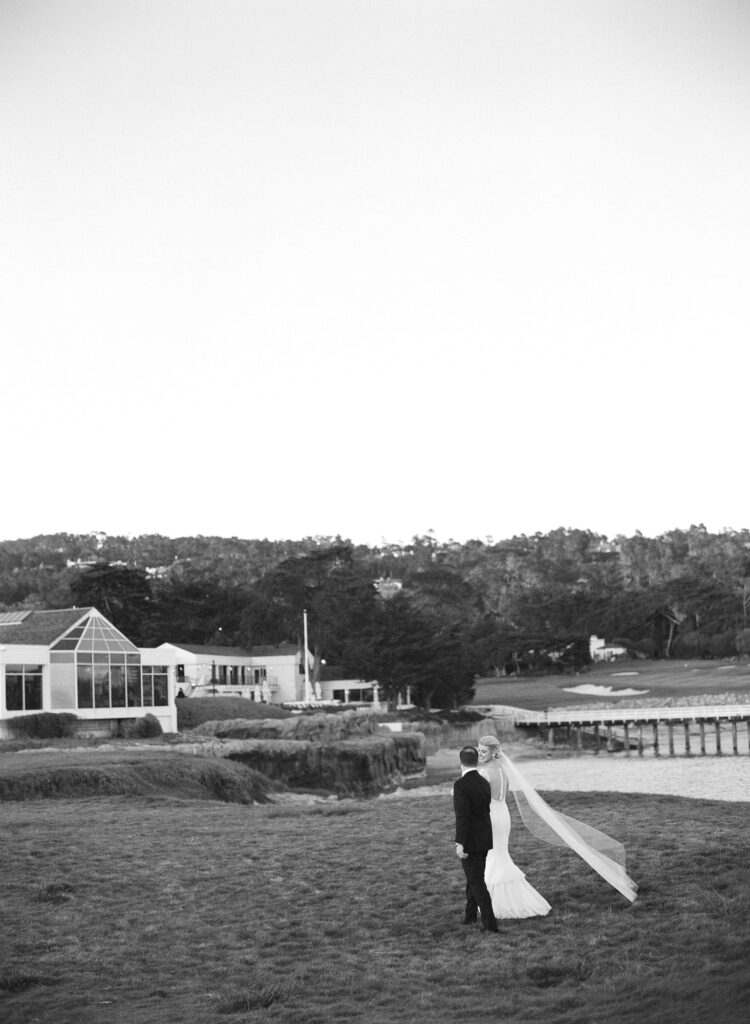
(428, 613)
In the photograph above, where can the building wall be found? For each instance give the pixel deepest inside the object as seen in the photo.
(59, 693)
(284, 682)
(350, 691)
(23, 654)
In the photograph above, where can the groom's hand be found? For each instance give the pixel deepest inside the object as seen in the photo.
(460, 853)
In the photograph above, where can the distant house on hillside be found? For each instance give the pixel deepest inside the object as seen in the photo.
(387, 587)
(74, 660)
(273, 674)
(600, 650)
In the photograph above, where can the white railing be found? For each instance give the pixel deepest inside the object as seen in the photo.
(693, 713)
(506, 712)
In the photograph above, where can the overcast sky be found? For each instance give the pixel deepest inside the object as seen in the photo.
(281, 268)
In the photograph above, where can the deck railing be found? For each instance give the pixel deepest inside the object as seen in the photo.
(622, 728)
(619, 715)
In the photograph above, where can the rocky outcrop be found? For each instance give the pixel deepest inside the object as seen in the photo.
(349, 753)
(364, 766)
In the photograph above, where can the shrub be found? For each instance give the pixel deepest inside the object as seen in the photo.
(723, 645)
(148, 726)
(742, 641)
(692, 645)
(139, 728)
(645, 646)
(192, 711)
(45, 725)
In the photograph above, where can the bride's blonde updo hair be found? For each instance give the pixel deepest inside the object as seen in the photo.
(492, 743)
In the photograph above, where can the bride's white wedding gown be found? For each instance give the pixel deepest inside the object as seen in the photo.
(512, 896)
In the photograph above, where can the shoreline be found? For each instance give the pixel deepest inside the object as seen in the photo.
(725, 777)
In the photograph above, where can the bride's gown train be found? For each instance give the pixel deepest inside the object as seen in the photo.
(512, 896)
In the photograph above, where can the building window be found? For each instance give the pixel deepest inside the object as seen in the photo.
(155, 686)
(117, 685)
(133, 676)
(23, 687)
(354, 696)
(101, 682)
(85, 691)
(111, 680)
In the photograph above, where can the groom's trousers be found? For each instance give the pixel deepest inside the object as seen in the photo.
(477, 893)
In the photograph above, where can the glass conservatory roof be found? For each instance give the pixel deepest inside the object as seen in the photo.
(13, 618)
(94, 634)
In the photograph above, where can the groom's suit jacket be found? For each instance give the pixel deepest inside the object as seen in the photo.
(471, 802)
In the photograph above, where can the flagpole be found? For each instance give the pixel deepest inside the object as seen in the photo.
(304, 655)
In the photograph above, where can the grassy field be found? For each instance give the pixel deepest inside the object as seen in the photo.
(128, 771)
(150, 897)
(164, 910)
(660, 678)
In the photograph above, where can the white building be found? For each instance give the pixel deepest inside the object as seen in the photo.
(74, 660)
(600, 650)
(274, 674)
(357, 692)
(350, 691)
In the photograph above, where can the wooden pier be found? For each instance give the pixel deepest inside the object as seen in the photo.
(681, 729)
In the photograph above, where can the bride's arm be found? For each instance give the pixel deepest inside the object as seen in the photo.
(503, 783)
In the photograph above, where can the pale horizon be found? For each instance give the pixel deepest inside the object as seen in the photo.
(487, 539)
(328, 267)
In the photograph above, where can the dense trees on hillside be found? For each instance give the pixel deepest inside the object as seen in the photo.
(458, 609)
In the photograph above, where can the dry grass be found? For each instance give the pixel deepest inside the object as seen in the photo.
(164, 910)
(129, 771)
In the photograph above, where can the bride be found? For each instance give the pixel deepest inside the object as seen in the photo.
(512, 896)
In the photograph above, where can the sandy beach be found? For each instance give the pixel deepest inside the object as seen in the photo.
(709, 778)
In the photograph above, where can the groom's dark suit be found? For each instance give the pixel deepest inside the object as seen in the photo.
(471, 802)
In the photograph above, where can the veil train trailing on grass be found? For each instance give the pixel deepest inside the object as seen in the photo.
(604, 854)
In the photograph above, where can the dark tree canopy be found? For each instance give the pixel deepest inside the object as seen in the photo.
(122, 594)
(455, 609)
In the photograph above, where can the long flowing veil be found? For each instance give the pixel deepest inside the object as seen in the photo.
(604, 854)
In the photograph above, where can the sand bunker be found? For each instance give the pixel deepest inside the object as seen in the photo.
(604, 691)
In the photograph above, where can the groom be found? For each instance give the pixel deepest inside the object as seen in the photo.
(471, 802)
